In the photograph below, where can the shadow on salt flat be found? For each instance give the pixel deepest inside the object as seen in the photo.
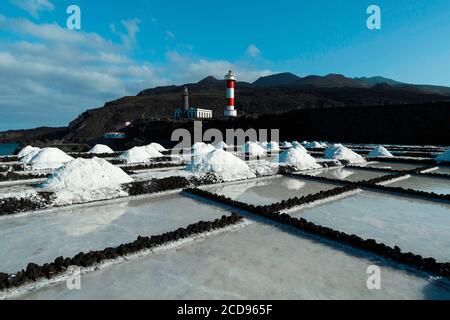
(260, 261)
(418, 226)
(268, 191)
(65, 232)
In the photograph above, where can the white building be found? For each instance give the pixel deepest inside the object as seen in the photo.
(114, 135)
(192, 113)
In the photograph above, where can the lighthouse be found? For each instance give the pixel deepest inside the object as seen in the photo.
(230, 78)
(185, 99)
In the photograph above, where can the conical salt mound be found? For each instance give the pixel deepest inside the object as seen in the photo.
(27, 150)
(380, 151)
(313, 145)
(221, 145)
(297, 158)
(343, 153)
(101, 149)
(82, 180)
(253, 149)
(49, 158)
(223, 163)
(157, 147)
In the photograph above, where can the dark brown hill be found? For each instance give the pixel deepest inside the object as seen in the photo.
(313, 92)
(160, 102)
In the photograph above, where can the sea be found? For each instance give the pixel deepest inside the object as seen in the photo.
(8, 149)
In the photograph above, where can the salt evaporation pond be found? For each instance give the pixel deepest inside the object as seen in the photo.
(393, 165)
(42, 237)
(442, 170)
(347, 174)
(418, 226)
(161, 173)
(16, 188)
(258, 261)
(427, 184)
(271, 190)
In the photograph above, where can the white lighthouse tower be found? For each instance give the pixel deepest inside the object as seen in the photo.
(230, 78)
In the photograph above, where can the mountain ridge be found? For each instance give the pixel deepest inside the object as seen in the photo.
(330, 91)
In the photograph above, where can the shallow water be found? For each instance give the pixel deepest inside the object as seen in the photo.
(42, 237)
(268, 191)
(348, 174)
(419, 226)
(436, 185)
(7, 149)
(393, 165)
(258, 261)
(443, 170)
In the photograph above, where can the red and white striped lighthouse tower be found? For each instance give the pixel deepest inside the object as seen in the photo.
(230, 77)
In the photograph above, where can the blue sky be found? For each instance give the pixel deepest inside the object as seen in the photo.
(49, 75)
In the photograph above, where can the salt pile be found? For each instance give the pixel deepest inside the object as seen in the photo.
(139, 155)
(340, 152)
(286, 144)
(152, 152)
(47, 158)
(201, 148)
(157, 147)
(253, 149)
(221, 145)
(380, 151)
(297, 158)
(444, 156)
(26, 158)
(222, 163)
(83, 180)
(272, 146)
(27, 150)
(300, 147)
(295, 144)
(101, 149)
(313, 145)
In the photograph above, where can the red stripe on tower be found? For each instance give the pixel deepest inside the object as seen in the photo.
(230, 78)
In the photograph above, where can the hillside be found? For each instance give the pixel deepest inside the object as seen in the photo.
(251, 99)
(269, 95)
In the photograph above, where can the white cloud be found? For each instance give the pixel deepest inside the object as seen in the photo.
(253, 51)
(34, 7)
(60, 73)
(170, 35)
(188, 69)
(131, 27)
(49, 75)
